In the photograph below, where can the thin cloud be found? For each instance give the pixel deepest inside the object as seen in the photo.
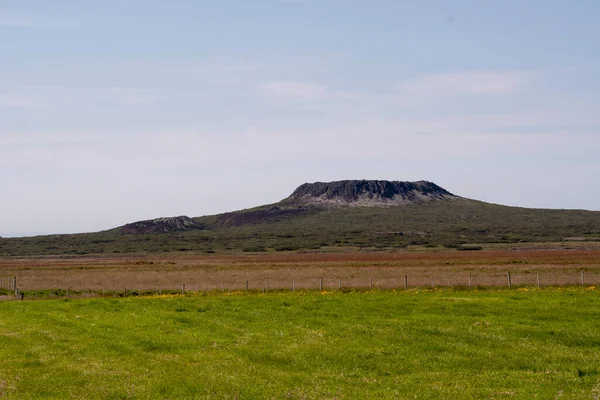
(133, 96)
(303, 91)
(18, 101)
(11, 20)
(193, 67)
(58, 96)
(295, 90)
(468, 83)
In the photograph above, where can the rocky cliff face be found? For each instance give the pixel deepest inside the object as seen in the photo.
(368, 193)
(162, 225)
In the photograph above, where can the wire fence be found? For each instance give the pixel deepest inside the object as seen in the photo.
(18, 287)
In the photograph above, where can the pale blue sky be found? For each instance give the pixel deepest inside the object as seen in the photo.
(114, 111)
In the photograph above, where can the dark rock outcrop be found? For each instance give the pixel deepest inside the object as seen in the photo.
(368, 193)
(162, 225)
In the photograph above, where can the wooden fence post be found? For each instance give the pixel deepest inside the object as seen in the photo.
(582, 278)
(370, 284)
(321, 284)
(538, 279)
(222, 287)
(339, 284)
(267, 285)
(293, 285)
(470, 281)
(183, 289)
(509, 280)
(405, 281)
(246, 286)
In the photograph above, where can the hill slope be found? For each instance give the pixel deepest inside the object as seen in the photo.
(343, 214)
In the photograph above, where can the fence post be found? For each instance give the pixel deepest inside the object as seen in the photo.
(405, 281)
(183, 289)
(370, 284)
(339, 284)
(470, 281)
(222, 287)
(538, 279)
(582, 278)
(321, 284)
(15, 286)
(432, 281)
(267, 285)
(246, 286)
(293, 285)
(509, 280)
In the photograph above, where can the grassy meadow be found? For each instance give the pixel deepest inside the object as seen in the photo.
(454, 344)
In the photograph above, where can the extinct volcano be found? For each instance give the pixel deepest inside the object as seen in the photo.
(306, 199)
(311, 198)
(352, 214)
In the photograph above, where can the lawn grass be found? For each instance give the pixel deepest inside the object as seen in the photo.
(497, 344)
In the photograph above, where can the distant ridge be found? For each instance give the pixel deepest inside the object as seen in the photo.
(334, 216)
(368, 193)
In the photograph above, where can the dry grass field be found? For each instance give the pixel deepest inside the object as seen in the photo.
(305, 270)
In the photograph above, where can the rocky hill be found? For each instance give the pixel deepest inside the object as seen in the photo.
(311, 198)
(368, 193)
(162, 225)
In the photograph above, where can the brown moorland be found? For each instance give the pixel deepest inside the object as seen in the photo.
(305, 270)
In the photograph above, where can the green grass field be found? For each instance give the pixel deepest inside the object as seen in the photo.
(497, 344)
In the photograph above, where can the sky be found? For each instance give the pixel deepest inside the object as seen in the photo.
(114, 111)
